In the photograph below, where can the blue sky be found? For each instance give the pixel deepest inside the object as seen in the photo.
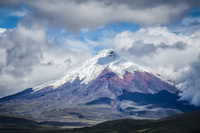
(52, 37)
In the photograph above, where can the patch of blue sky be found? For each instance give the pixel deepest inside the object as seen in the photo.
(195, 12)
(7, 20)
(10, 17)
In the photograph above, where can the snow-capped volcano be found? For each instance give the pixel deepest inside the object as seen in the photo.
(105, 59)
(105, 87)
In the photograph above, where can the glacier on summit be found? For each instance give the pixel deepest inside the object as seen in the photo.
(105, 59)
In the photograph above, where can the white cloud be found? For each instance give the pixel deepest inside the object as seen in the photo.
(28, 59)
(2, 30)
(92, 14)
(162, 52)
(89, 14)
(190, 84)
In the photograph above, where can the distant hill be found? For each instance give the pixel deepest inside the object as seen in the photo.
(180, 123)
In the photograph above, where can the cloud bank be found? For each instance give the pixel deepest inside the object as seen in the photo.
(74, 15)
(190, 84)
(167, 54)
(28, 59)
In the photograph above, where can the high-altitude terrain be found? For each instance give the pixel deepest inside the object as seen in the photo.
(105, 87)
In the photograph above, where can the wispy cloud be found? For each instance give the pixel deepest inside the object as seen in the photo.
(26, 53)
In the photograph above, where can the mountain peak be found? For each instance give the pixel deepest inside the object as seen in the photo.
(106, 56)
(87, 72)
(107, 53)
